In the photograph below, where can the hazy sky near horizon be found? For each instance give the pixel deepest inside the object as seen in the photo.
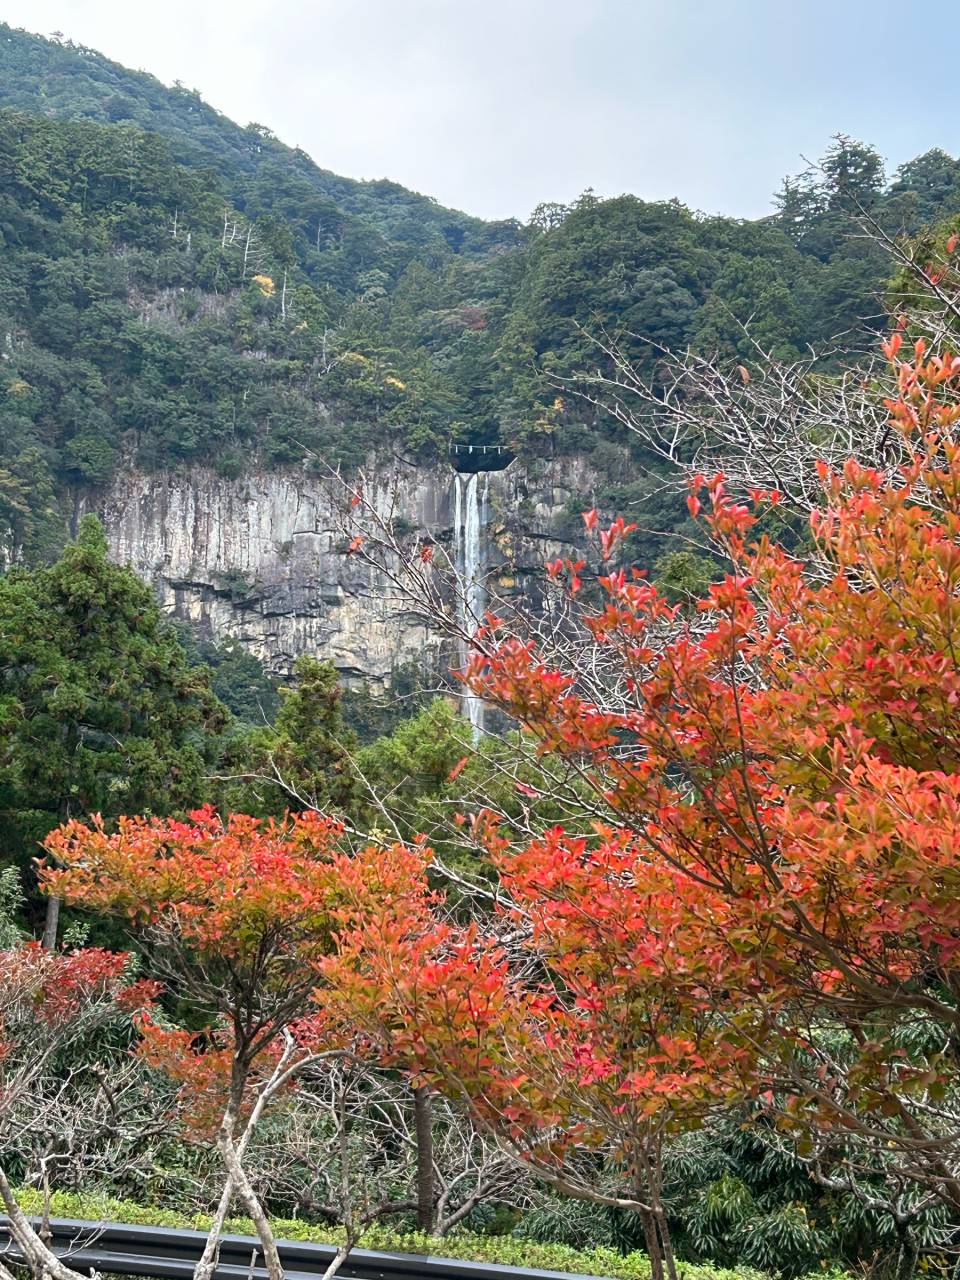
(494, 105)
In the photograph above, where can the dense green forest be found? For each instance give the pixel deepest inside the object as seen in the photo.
(180, 289)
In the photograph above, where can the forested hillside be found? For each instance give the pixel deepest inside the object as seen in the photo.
(178, 289)
(75, 83)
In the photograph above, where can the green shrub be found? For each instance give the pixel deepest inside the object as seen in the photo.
(504, 1250)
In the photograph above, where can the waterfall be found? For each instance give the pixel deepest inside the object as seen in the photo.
(469, 520)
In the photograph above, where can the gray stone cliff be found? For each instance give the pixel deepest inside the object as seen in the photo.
(263, 557)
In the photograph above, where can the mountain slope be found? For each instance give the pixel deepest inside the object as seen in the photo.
(71, 82)
(178, 289)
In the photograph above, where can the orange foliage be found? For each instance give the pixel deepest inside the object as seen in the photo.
(242, 913)
(777, 832)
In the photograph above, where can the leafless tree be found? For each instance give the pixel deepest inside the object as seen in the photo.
(765, 427)
(231, 229)
(347, 1147)
(47, 1108)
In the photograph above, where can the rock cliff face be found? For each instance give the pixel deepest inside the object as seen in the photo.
(263, 558)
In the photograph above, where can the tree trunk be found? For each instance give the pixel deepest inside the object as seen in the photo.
(51, 924)
(666, 1244)
(654, 1178)
(653, 1245)
(647, 1191)
(46, 1235)
(237, 1183)
(908, 1253)
(207, 1263)
(250, 1201)
(423, 1124)
(41, 1262)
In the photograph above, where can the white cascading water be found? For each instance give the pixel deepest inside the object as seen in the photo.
(469, 520)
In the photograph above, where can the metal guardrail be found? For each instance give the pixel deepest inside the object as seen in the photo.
(170, 1253)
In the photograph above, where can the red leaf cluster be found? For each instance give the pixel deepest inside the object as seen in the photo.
(781, 781)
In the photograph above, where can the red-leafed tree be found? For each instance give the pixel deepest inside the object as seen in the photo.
(236, 917)
(53, 1007)
(559, 1028)
(767, 904)
(792, 758)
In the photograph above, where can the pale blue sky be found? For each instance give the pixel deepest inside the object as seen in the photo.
(495, 105)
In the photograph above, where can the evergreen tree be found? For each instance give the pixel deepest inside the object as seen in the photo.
(99, 709)
(853, 174)
(301, 762)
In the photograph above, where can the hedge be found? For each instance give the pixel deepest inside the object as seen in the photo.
(468, 1246)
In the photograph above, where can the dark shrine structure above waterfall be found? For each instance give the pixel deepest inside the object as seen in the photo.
(480, 457)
